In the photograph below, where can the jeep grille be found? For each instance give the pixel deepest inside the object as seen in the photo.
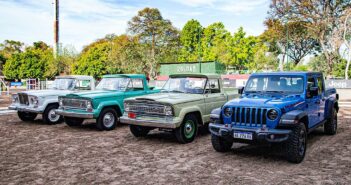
(248, 116)
(70, 103)
(23, 98)
(146, 108)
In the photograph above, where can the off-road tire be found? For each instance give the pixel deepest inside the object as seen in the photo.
(331, 125)
(107, 119)
(220, 144)
(296, 144)
(26, 116)
(73, 122)
(139, 131)
(187, 131)
(47, 112)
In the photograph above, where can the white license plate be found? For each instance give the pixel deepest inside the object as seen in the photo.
(243, 135)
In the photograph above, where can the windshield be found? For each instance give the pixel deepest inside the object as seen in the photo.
(63, 83)
(185, 85)
(279, 84)
(113, 84)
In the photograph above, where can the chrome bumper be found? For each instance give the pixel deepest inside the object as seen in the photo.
(74, 114)
(159, 123)
(25, 109)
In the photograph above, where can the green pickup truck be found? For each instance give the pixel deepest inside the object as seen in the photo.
(105, 104)
(184, 103)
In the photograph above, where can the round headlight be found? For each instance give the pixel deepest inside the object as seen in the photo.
(126, 107)
(272, 114)
(14, 98)
(60, 102)
(228, 112)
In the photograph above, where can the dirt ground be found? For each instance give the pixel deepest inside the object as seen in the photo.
(33, 153)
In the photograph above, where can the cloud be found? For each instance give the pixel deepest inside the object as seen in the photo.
(196, 3)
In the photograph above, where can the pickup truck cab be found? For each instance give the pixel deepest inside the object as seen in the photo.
(31, 103)
(279, 107)
(184, 103)
(105, 104)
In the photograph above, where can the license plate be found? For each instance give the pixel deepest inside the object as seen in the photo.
(243, 135)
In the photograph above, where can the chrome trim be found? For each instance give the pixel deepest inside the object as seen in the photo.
(74, 114)
(150, 123)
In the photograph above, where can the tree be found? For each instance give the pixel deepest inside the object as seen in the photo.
(216, 43)
(154, 31)
(190, 39)
(292, 36)
(347, 41)
(323, 18)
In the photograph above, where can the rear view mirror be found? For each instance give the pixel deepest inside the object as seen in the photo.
(312, 91)
(241, 90)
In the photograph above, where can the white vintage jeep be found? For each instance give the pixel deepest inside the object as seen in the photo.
(31, 103)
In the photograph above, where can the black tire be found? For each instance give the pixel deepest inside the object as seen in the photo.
(49, 118)
(331, 125)
(139, 131)
(107, 119)
(73, 122)
(187, 131)
(296, 144)
(26, 116)
(220, 144)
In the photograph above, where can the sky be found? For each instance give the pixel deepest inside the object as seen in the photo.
(84, 21)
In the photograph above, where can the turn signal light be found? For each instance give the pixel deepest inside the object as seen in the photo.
(131, 115)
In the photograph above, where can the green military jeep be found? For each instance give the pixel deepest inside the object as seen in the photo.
(105, 104)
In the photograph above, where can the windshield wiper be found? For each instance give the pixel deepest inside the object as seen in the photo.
(176, 91)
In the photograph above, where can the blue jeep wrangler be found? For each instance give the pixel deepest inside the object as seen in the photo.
(280, 107)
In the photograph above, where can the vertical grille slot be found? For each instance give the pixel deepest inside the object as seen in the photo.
(23, 98)
(248, 116)
(264, 115)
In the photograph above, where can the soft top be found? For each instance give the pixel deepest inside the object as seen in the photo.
(76, 76)
(124, 76)
(195, 75)
(303, 73)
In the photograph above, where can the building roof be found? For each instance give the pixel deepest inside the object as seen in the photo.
(124, 76)
(195, 75)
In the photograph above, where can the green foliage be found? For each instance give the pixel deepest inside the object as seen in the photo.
(34, 62)
(190, 39)
(300, 68)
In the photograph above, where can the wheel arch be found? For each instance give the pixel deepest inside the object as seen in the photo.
(115, 107)
(198, 116)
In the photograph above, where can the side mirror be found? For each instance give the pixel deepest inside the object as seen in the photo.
(241, 90)
(312, 91)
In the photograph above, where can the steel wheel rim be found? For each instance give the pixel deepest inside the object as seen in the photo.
(108, 120)
(189, 129)
(302, 142)
(53, 117)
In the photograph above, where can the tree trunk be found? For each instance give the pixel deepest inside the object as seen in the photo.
(153, 60)
(348, 65)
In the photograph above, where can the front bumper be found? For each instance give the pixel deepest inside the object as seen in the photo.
(22, 108)
(259, 134)
(66, 113)
(164, 122)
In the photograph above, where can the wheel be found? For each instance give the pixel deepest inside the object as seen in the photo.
(26, 116)
(296, 144)
(220, 144)
(187, 131)
(331, 125)
(107, 120)
(49, 116)
(139, 131)
(73, 122)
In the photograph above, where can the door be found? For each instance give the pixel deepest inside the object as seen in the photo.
(312, 107)
(321, 97)
(135, 88)
(214, 98)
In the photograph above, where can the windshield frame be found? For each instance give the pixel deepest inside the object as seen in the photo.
(163, 90)
(125, 89)
(284, 92)
(73, 84)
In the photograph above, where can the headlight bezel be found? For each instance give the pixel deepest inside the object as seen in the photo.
(228, 112)
(15, 98)
(33, 100)
(274, 113)
(168, 110)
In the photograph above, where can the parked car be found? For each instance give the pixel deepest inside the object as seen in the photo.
(31, 103)
(277, 107)
(184, 103)
(105, 104)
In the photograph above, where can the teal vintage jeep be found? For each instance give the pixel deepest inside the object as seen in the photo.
(105, 104)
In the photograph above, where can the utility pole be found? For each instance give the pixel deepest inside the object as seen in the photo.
(56, 28)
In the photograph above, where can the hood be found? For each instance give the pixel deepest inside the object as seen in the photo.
(265, 101)
(49, 92)
(95, 94)
(171, 98)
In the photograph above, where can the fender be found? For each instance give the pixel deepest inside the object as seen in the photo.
(106, 104)
(291, 118)
(187, 110)
(329, 107)
(215, 116)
